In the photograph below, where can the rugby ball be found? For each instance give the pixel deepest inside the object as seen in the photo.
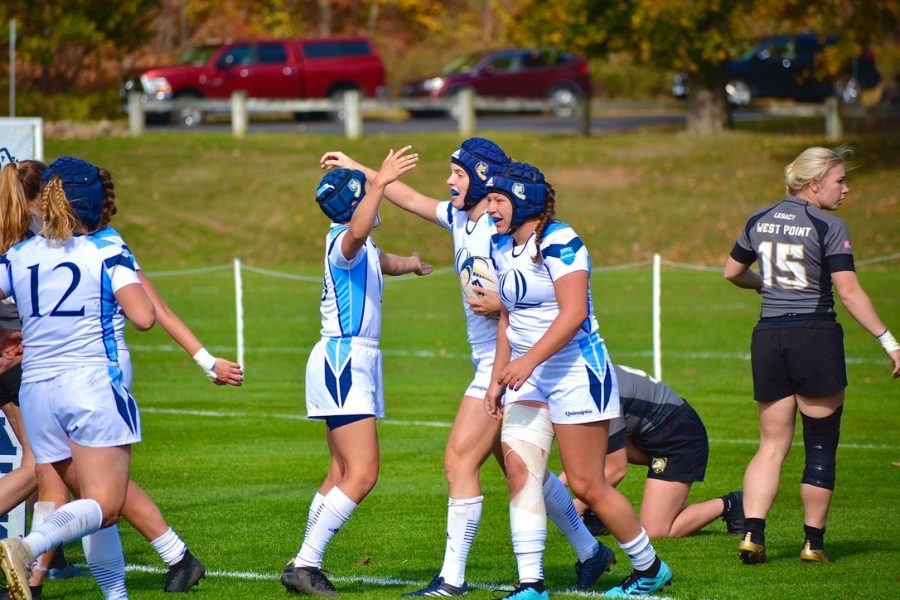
(476, 274)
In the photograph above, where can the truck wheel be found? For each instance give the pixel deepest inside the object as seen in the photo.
(189, 116)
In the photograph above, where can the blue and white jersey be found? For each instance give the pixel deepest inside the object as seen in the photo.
(351, 294)
(109, 234)
(526, 287)
(65, 294)
(470, 239)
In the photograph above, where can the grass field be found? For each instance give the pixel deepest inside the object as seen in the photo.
(234, 469)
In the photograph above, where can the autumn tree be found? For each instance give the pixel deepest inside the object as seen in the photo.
(698, 37)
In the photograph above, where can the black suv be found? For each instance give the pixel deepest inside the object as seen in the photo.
(783, 67)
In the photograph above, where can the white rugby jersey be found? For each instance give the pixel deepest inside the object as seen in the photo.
(470, 238)
(351, 294)
(526, 287)
(66, 299)
(109, 234)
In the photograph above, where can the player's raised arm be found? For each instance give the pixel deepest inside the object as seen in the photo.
(397, 192)
(395, 164)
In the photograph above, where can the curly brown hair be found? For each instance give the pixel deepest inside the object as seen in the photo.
(109, 199)
(545, 217)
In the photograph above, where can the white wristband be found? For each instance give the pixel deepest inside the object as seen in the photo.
(207, 362)
(888, 342)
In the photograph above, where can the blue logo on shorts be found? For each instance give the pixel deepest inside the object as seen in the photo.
(567, 255)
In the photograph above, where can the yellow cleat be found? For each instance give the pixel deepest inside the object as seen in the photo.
(16, 560)
(751, 553)
(807, 554)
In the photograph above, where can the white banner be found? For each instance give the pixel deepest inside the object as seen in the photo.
(21, 139)
(13, 523)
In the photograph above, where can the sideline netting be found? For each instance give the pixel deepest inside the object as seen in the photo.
(656, 263)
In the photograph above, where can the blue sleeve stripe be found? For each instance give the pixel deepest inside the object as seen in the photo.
(120, 260)
(555, 250)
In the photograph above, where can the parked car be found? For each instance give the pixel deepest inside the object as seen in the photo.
(283, 68)
(560, 77)
(784, 67)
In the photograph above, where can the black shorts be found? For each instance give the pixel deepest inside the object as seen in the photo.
(797, 357)
(10, 382)
(678, 450)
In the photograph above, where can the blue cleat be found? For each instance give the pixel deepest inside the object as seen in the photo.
(527, 593)
(439, 587)
(588, 572)
(635, 585)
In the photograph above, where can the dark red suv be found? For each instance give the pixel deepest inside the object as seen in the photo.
(560, 77)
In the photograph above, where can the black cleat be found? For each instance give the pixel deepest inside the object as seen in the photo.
(184, 574)
(588, 572)
(594, 524)
(306, 580)
(734, 518)
(439, 587)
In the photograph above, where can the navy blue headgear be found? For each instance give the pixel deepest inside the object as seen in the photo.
(525, 187)
(82, 185)
(339, 193)
(480, 158)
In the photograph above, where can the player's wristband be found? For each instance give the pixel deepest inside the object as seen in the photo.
(888, 342)
(207, 362)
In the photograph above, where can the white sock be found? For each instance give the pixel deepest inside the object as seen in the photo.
(528, 547)
(170, 547)
(562, 512)
(72, 521)
(336, 509)
(103, 552)
(42, 511)
(463, 517)
(640, 551)
(314, 508)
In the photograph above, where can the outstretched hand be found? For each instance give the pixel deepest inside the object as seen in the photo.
(395, 164)
(228, 373)
(895, 359)
(337, 159)
(422, 268)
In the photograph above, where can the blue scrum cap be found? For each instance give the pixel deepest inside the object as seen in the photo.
(82, 185)
(480, 158)
(339, 192)
(525, 187)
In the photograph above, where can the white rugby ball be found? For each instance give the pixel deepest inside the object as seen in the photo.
(476, 274)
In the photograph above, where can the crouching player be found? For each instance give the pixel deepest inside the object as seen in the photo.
(343, 374)
(660, 430)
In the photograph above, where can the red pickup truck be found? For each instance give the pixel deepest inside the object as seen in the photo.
(282, 68)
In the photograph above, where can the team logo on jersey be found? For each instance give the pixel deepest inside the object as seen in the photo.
(518, 190)
(481, 170)
(567, 255)
(354, 187)
(658, 464)
(846, 244)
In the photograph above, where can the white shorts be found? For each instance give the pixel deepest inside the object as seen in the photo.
(87, 405)
(578, 384)
(483, 362)
(125, 366)
(343, 377)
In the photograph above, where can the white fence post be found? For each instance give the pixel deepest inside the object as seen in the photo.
(834, 127)
(239, 118)
(657, 317)
(135, 113)
(239, 312)
(466, 107)
(353, 123)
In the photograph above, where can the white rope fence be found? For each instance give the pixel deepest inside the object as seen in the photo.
(656, 263)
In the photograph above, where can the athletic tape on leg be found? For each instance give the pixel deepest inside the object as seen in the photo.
(528, 433)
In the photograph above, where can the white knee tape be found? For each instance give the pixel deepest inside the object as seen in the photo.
(528, 433)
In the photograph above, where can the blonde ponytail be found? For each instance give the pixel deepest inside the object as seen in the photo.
(56, 212)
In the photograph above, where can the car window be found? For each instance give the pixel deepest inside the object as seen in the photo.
(272, 54)
(462, 64)
(237, 56)
(505, 63)
(197, 56)
(776, 48)
(336, 49)
(536, 59)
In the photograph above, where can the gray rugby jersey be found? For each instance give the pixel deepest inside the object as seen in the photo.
(797, 246)
(646, 404)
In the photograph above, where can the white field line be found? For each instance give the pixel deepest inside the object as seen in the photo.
(373, 581)
(741, 356)
(435, 424)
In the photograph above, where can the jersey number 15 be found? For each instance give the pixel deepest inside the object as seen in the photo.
(781, 262)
